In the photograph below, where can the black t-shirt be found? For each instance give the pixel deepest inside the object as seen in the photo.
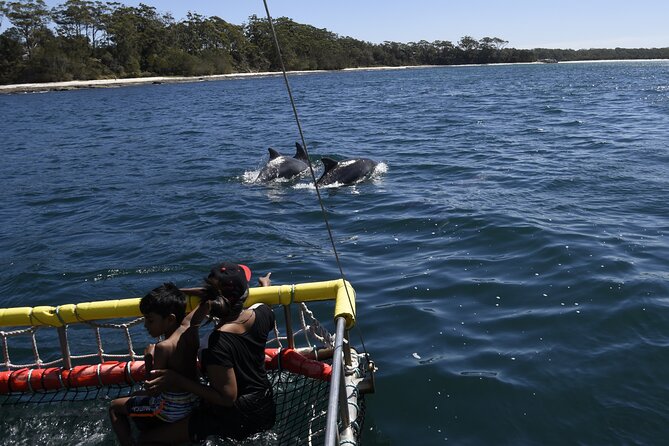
(245, 353)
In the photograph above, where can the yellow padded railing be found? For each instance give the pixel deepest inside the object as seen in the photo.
(338, 290)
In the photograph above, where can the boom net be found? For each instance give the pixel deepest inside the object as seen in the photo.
(94, 351)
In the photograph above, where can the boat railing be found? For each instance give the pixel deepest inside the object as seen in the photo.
(349, 373)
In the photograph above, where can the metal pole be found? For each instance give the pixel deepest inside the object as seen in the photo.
(331, 429)
(347, 349)
(64, 346)
(343, 402)
(289, 326)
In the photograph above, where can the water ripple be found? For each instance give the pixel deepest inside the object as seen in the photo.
(511, 259)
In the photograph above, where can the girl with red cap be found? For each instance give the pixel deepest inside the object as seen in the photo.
(238, 400)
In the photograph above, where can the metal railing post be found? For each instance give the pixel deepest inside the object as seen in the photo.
(289, 326)
(331, 429)
(64, 347)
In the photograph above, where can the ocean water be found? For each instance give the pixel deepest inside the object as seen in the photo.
(510, 258)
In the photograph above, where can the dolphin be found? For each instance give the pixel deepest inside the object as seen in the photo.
(280, 166)
(348, 171)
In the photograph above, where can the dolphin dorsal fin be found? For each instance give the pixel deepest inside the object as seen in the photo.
(300, 153)
(273, 153)
(328, 163)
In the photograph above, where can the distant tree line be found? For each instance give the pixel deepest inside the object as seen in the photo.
(601, 54)
(84, 39)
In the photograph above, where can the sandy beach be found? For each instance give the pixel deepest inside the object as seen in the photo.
(113, 83)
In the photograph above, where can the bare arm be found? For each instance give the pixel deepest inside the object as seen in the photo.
(192, 319)
(193, 291)
(264, 280)
(160, 355)
(199, 291)
(195, 317)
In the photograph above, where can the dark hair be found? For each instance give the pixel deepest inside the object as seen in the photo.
(222, 307)
(227, 287)
(165, 300)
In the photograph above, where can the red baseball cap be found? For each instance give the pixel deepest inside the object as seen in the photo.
(233, 279)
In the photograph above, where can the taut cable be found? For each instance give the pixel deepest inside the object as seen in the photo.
(311, 167)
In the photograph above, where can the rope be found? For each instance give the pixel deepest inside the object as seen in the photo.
(98, 339)
(124, 326)
(306, 327)
(5, 350)
(314, 327)
(311, 167)
(35, 351)
(4, 335)
(131, 350)
(31, 332)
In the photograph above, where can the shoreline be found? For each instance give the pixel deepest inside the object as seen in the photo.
(43, 87)
(127, 82)
(119, 82)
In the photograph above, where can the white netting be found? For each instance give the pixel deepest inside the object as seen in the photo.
(60, 344)
(51, 339)
(301, 398)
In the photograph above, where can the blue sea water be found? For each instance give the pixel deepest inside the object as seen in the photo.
(510, 260)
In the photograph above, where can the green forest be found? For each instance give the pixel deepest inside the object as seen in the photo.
(83, 40)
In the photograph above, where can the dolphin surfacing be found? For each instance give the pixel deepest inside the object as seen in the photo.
(285, 167)
(346, 172)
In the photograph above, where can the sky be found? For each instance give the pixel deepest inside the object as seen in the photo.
(574, 24)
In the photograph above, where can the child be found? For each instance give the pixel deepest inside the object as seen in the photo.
(163, 309)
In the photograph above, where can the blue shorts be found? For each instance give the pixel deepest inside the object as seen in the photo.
(167, 407)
